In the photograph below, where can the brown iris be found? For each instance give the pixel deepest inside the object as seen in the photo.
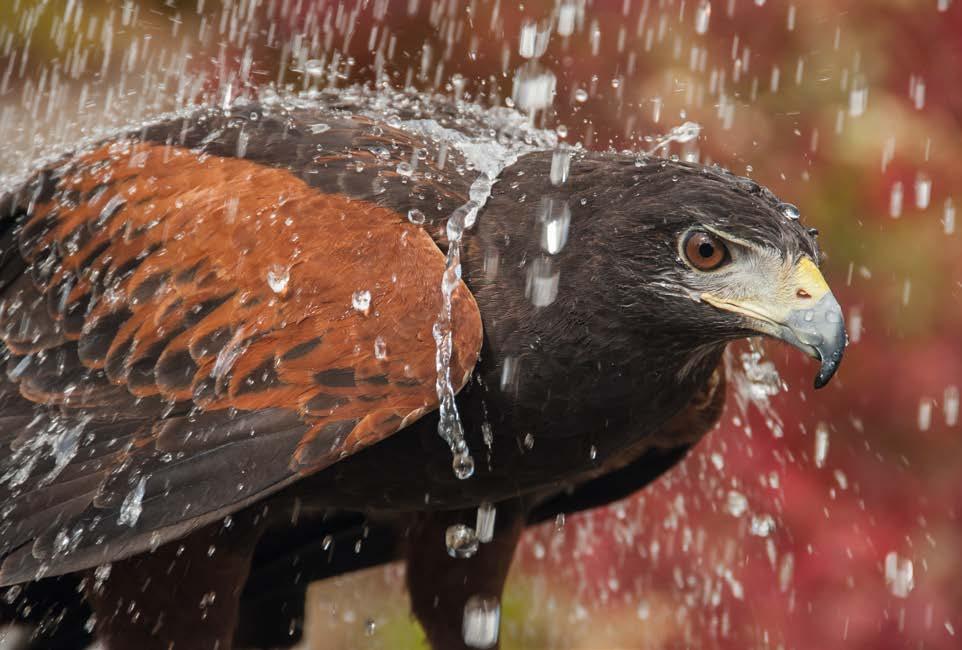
(705, 251)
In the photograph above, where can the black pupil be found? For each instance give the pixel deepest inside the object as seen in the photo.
(706, 250)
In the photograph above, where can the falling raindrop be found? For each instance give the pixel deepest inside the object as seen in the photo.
(923, 191)
(736, 503)
(560, 165)
(762, 525)
(132, 506)
(314, 67)
(542, 282)
(950, 405)
(557, 220)
(534, 87)
(925, 414)
(702, 16)
(534, 40)
(917, 92)
(485, 522)
(567, 14)
(461, 541)
(948, 217)
(482, 618)
(899, 575)
(821, 444)
(895, 200)
(858, 96)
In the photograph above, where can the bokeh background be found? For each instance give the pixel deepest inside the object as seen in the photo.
(806, 520)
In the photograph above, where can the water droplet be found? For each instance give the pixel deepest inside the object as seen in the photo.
(132, 506)
(917, 92)
(416, 217)
(404, 169)
(314, 67)
(534, 87)
(685, 132)
(736, 503)
(559, 522)
(319, 128)
(895, 200)
(643, 611)
(370, 627)
(821, 444)
(542, 282)
(361, 301)
(581, 95)
(789, 211)
(925, 414)
(923, 191)
(461, 541)
(102, 572)
(948, 217)
(534, 39)
(785, 572)
(557, 219)
(762, 525)
(485, 522)
(482, 619)
(702, 16)
(528, 441)
(560, 164)
(950, 405)
(380, 349)
(858, 96)
(899, 575)
(463, 465)
(278, 276)
(567, 15)
(11, 594)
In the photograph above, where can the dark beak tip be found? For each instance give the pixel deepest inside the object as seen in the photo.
(830, 365)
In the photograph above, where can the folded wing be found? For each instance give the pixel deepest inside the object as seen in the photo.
(187, 332)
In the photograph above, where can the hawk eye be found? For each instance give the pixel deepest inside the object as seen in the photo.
(705, 251)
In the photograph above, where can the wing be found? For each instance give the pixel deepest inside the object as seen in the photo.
(188, 330)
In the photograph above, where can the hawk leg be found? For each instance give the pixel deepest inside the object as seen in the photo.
(441, 586)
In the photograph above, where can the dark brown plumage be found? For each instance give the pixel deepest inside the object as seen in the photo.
(230, 316)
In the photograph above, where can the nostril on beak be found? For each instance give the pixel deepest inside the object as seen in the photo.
(801, 293)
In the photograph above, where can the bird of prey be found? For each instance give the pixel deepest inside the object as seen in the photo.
(227, 335)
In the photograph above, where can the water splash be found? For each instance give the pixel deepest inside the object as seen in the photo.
(686, 132)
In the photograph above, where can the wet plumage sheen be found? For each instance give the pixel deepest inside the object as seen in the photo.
(189, 366)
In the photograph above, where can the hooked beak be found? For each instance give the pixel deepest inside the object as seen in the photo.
(802, 312)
